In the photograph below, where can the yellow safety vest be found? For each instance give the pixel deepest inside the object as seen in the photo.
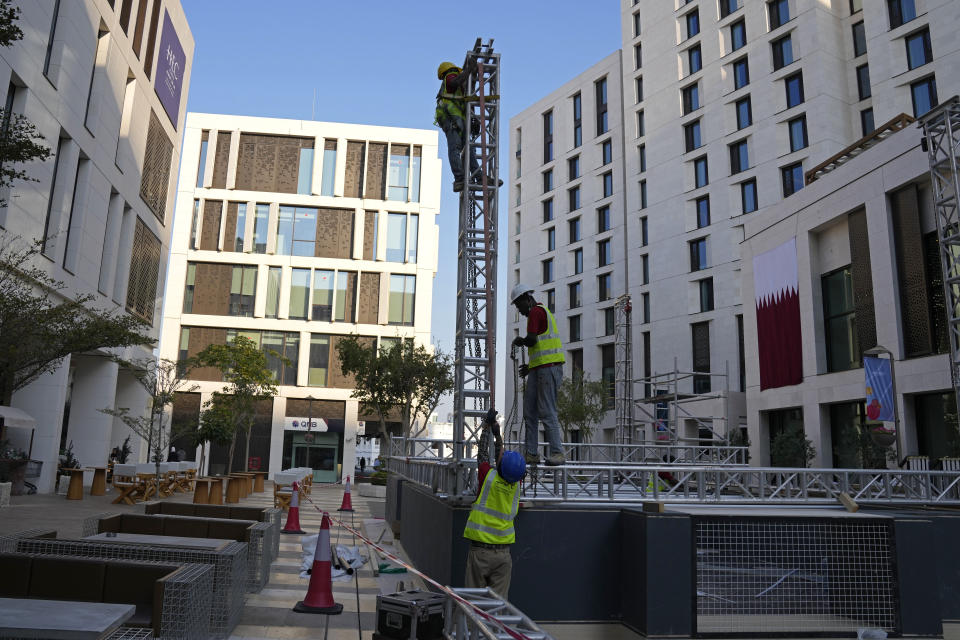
(548, 348)
(492, 514)
(448, 104)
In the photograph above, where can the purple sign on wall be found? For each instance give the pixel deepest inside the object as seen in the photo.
(170, 69)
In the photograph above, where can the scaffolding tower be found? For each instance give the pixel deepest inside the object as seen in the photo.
(941, 130)
(665, 408)
(623, 391)
(476, 253)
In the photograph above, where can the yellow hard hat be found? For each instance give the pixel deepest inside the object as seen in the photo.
(444, 67)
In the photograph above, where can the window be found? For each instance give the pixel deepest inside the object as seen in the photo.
(741, 73)
(645, 307)
(547, 270)
(575, 328)
(702, 205)
(641, 126)
(919, 51)
(296, 231)
(576, 360)
(738, 35)
(698, 254)
(576, 291)
(548, 210)
(547, 180)
(47, 235)
(859, 39)
(577, 261)
(319, 360)
(273, 291)
(637, 56)
(396, 237)
(744, 113)
(924, 94)
(547, 137)
(241, 227)
(243, 291)
(691, 98)
(299, 294)
(194, 222)
(573, 168)
(694, 59)
(329, 171)
(866, 122)
(604, 290)
(577, 121)
(691, 136)
(607, 184)
(609, 321)
(636, 24)
(51, 38)
(798, 133)
(606, 151)
(601, 90)
(574, 227)
(727, 7)
(700, 175)
(839, 320)
(189, 287)
(551, 238)
(260, 228)
(645, 269)
(901, 12)
(856, 6)
(693, 23)
(552, 300)
(782, 52)
(305, 172)
(413, 236)
(644, 237)
(603, 219)
(706, 294)
(277, 346)
(573, 196)
(604, 256)
(793, 86)
(748, 195)
(202, 163)
(779, 13)
(80, 181)
(863, 81)
(403, 290)
(643, 194)
(792, 176)
(739, 157)
(700, 334)
(608, 372)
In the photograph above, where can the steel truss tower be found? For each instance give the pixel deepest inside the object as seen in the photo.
(475, 349)
(941, 130)
(624, 370)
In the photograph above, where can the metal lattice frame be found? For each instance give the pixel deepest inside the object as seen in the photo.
(624, 370)
(475, 350)
(464, 623)
(941, 128)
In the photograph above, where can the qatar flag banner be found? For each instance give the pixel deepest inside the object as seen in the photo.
(778, 316)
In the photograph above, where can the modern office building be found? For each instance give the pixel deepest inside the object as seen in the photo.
(725, 105)
(296, 234)
(106, 84)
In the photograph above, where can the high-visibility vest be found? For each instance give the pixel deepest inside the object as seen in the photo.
(548, 348)
(492, 514)
(448, 104)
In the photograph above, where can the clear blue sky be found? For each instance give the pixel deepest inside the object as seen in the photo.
(375, 63)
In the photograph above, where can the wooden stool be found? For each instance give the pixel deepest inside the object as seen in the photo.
(99, 486)
(215, 494)
(233, 489)
(258, 479)
(75, 490)
(201, 495)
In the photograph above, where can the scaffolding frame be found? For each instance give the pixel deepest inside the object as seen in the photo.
(475, 350)
(623, 355)
(941, 130)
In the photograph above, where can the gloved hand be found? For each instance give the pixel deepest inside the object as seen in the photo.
(519, 341)
(523, 370)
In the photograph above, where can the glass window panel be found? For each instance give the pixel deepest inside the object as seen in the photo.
(924, 94)
(299, 293)
(273, 291)
(284, 230)
(322, 295)
(194, 223)
(345, 302)
(744, 113)
(396, 236)
(305, 172)
(414, 232)
(748, 196)
(738, 35)
(794, 90)
(202, 165)
(329, 172)
(272, 347)
(859, 39)
(319, 360)
(694, 59)
(402, 295)
(398, 173)
(919, 51)
(741, 74)
(304, 231)
(782, 52)
(188, 288)
(241, 226)
(260, 228)
(415, 177)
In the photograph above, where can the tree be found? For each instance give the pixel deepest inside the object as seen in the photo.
(162, 379)
(791, 448)
(400, 376)
(249, 379)
(216, 423)
(581, 403)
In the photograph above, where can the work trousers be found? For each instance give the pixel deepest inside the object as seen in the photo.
(540, 405)
(490, 568)
(455, 130)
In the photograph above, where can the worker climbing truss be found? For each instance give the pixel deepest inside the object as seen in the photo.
(941, 128)
(476, 252)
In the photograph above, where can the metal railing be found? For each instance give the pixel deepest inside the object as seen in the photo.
(462, 622)
(578, 452)
(619, 484)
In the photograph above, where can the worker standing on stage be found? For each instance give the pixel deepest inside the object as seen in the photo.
(490, 525)
(543, 373)
(451, 116)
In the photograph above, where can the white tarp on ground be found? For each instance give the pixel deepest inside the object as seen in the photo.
(350, 554)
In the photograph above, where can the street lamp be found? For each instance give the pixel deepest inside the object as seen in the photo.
(873, 353)
(309, 399)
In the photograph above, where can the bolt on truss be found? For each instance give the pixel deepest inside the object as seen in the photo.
(941, 130)
(624, 370)
(476, 251)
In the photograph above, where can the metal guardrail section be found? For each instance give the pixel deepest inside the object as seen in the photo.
(464, 623)
(577, 453)
(588, 483)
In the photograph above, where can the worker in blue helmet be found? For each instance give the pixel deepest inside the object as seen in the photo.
(490, 525)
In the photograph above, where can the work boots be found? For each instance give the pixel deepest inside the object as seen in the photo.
(555, 460)
(531, 458)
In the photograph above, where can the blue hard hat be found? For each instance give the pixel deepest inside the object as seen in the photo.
(512, 466)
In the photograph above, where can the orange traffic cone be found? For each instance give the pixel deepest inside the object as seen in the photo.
(319, 597)
(293, 515)
(346, 505)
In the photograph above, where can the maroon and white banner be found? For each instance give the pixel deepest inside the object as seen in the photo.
(778, 316)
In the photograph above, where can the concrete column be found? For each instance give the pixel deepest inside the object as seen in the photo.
(340, 174)
(43, 400)
(90, 430)
(350, 457)
(130, 394)
(234, 155)
(276, 434)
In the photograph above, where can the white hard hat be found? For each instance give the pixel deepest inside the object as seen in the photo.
(518, 290)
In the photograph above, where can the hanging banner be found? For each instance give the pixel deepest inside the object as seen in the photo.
(776, 294)
(171, 65)
(879, 389)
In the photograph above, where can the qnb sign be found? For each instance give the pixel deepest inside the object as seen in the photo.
(304, 424)
(170, 70)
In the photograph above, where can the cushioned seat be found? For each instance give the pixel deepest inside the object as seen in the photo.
(66, 579)
(16, 576)
(230, 529)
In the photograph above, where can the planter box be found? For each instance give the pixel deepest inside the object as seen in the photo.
(372, 491)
